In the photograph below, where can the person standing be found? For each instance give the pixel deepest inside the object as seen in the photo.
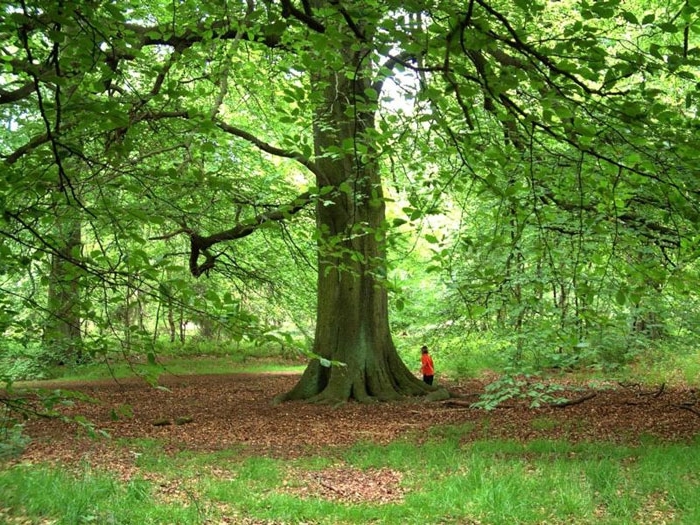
(427, 368)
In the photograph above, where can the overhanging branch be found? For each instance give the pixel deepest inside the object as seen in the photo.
(199, 244)
(268, 148)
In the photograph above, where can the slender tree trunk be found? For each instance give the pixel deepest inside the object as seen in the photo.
(182, 323)
(126, 318)
(62, 328)
(172, 329)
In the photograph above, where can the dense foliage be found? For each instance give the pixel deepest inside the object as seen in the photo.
(536, 159)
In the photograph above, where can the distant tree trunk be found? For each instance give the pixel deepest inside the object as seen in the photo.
(182, 323)
(62, 329)
(649, 324)
(172, 328)
(352, 322)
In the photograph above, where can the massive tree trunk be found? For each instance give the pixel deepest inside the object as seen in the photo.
(352, 322)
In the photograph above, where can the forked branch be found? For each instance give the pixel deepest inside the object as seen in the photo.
(199, 244)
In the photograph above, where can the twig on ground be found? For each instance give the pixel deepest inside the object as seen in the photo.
(656, 394)
(572, 402)
(689, 407)
(460, 403)
(331, 487)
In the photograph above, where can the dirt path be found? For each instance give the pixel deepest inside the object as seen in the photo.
(215, 412)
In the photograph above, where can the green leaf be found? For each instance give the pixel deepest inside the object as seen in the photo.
(602, 10)
(345, 187)
(630, 17)
(371, 94)
(563, 112)
(621, 296)
(668, 27)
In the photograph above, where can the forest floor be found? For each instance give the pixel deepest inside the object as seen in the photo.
(217, 412)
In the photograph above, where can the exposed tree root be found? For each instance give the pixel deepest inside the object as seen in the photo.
(314, 388)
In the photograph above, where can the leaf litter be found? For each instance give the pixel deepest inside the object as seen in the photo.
(212, 413)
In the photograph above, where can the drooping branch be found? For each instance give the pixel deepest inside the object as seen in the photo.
(269, 148)
(240, 133)
(199, 244)
(641, 225)
(52, 131)
(522, 47)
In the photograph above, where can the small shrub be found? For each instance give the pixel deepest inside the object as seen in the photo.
(521, 386)
(12, 440)
(462, 357)
(20, 362)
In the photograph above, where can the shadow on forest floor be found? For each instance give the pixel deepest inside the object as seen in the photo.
(216, 412)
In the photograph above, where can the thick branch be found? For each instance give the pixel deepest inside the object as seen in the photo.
(359, 33)
(288, 9)
(221, 30)
(18, 94)
(199, 245)
(35, 142)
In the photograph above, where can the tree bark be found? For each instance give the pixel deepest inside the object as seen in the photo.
(62, 328)
(352, 319)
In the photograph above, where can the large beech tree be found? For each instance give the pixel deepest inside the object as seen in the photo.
(151, 97)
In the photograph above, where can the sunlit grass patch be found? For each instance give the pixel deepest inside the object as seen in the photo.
(177, 366)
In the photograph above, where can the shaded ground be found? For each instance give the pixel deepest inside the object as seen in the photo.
(215, 412)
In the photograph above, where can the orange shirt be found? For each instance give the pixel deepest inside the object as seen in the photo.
(426, 365)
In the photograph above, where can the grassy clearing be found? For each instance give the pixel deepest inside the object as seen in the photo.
(442, 480)
(176, 365)
(672, 361)
(195, 357)
(180, 366)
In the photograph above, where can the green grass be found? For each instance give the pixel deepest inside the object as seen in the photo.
(45, 493)
(185, 366)
(188, 365)
(195, 357)
(444, 480)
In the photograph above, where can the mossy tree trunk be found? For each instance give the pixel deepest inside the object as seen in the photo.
(352, 320)
(62, 327)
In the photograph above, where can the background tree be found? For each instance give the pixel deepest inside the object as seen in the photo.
(588, 209)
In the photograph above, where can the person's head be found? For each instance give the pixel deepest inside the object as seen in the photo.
(423, 349)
